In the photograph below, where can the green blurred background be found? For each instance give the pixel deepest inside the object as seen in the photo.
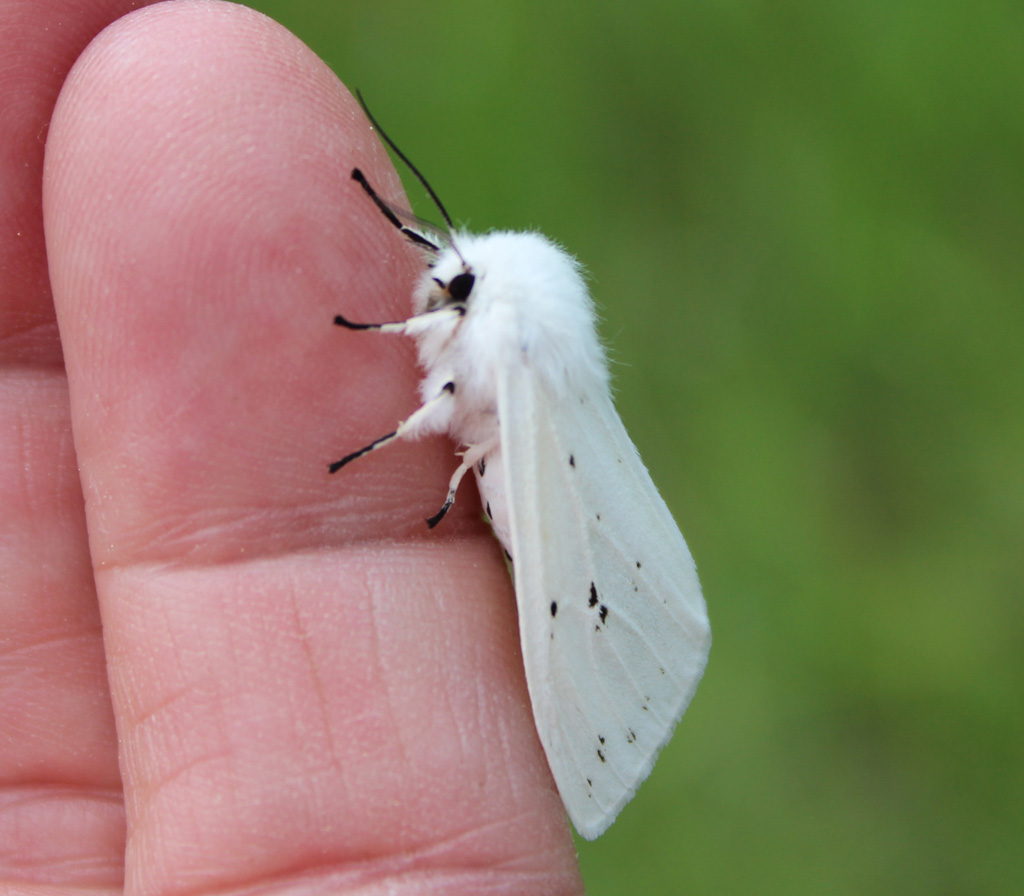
(803, 224)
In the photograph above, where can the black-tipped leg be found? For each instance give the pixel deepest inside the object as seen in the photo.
(394, 326)
(470, 457)
(366, 449)
(388, 212)
(413, 424)
(440, 515)
(385, 209)
(340, 321)
(350, 325)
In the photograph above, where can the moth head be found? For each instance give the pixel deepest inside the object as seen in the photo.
(449, 284)
(455, 292)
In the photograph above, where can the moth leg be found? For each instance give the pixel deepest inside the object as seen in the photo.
(411, 423)
(470, 457)
(411, 326)
(413, 236)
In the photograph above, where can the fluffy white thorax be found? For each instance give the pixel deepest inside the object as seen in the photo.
(528, 306)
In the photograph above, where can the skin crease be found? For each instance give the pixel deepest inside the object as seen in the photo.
(297, 687)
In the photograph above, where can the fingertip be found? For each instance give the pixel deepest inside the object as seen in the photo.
(203, 232)
(215, 105)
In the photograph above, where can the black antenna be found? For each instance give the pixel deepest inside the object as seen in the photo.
(404, 158)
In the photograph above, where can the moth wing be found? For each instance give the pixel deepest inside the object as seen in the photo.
(614, 629)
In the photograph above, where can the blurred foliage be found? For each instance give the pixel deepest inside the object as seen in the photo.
(803, 225)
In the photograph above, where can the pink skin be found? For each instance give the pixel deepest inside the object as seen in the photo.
(297, 687)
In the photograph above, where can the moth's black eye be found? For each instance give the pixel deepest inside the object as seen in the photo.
(460, 286)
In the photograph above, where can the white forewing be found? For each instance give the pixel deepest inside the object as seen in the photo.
(613, 625)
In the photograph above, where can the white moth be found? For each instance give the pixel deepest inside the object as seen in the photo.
(613, 626)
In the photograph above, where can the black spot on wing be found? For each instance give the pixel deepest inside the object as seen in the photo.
(593, 595)
(554, 609)
(572, 461)
(603, 613)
